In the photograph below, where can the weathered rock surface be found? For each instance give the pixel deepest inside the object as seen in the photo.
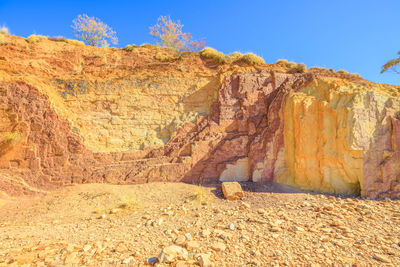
(232, 190)
(133, 119)
(43, 152)
(343, 137)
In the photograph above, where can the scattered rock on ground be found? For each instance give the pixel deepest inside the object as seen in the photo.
(172, 253)
(275, 229)
(204, 260)
(232, 190)
(218, 246)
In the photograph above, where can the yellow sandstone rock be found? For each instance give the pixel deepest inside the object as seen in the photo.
(335, 136)
(232, 190)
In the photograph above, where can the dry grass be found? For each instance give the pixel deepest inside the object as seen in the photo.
(128, 203)
(252, 59)
(3, 40)
(68, 41)
(342, 72)
(74, 42)
(221, 58)
(36, 38)
(291, 65)
(301, 68)
(235, 56)
(359, 77)
(150, 46)
(12, 137)
(282, 62)
(57, 38)
(319, 69)
(3, 30)
(216, 56)
(9, 140)
(100, 210)
(164, 57)
(201, 195)
(130, 47)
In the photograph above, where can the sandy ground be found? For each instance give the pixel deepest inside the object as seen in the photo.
(98, 224)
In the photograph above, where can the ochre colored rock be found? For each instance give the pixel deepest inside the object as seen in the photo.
(84, 114)
(46, 154)
(232, 190)
(342, 137)
(118, 101)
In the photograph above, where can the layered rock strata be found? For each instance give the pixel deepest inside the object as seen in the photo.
(121, 117)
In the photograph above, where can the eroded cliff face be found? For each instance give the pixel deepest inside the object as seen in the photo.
(116, 100)
(38, 150)
(342, 137)
(86, 114)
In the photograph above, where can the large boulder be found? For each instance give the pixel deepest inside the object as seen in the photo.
(232, 190)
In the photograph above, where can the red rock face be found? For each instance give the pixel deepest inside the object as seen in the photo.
(389, 185)
(245, 127)
(51, 155)
(245, 124)
(47, 154)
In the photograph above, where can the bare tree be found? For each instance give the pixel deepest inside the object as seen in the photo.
(92, 31)
(169, 33)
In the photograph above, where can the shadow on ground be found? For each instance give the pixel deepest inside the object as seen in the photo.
(268, 187)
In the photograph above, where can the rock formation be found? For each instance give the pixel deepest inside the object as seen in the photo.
(77, 114)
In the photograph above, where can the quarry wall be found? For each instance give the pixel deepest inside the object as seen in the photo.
(82, 114)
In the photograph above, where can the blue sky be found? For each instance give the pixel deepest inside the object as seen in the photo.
(356, 35)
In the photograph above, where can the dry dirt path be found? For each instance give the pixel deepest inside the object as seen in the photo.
(97, 224)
